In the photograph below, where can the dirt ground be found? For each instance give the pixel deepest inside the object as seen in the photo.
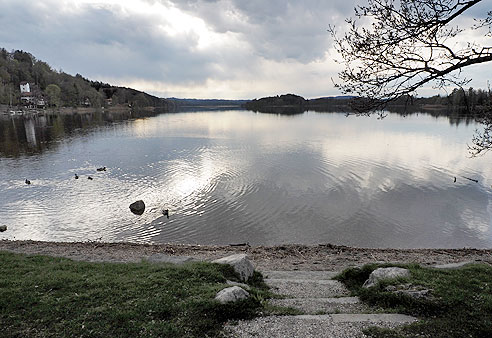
(282, 257)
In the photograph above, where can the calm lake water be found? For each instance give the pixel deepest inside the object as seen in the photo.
(239, 176)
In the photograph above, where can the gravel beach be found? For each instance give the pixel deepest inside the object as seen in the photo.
(320, 257)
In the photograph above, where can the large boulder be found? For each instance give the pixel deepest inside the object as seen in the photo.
(232, 294)
(137, 207)
(241, 264)
(385, 273)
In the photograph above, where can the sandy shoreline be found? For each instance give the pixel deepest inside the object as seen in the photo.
(280, 257)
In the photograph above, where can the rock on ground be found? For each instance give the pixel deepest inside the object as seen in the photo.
(241, 264)
(231, 294)
(385, 273)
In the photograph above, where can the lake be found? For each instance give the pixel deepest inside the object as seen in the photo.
(238, 176)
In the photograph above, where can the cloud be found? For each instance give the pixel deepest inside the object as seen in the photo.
(278, 30)
(106, 41)
(190, 48)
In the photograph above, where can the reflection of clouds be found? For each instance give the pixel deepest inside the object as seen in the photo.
(394, 174)
(33, 224)
(189, 177)
(420, 154)
(475, 222)
(386, 185)
(238, 176)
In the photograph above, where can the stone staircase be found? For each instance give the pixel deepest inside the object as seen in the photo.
(328, 309)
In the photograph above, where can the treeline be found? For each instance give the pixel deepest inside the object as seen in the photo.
(276, 102)
(60, 88)
(206, 102)
(294, 104)
(467, 101)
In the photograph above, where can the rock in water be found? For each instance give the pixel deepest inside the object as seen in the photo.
(385, 273)
(137, 207)
(231, 294)
(3, 228)
(241, 264)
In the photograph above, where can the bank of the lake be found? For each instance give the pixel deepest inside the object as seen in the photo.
(120, 108)
(280, 257)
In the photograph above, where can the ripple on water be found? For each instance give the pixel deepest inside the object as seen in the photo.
(281, 185)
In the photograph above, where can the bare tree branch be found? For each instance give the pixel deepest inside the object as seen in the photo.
(394, 47)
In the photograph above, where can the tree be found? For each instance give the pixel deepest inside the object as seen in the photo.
(53, 92)
(140, 100)
(394, 47)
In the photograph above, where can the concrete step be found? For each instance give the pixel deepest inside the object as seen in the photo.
(307, 326)
(299, 274)
(303, 288)
(373, 318)
(323, 305)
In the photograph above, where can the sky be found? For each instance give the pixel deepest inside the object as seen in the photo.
(230, 49)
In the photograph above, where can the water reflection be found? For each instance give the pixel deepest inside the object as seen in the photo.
(32, 134)
(237, 176)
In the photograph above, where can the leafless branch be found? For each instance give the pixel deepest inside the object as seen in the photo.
(404, 47)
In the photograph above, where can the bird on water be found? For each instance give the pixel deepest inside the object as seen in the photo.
(76, 176)
(166, 212)
(27, 181)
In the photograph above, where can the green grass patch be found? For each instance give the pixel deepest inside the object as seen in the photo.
(460, 304)
(45, 296)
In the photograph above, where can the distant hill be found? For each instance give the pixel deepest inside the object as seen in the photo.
(57, 88)
(206, 103)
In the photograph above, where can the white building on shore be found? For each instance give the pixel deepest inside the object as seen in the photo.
(24, 87)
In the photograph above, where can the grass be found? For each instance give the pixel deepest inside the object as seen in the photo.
(460, 305)
(55, 297)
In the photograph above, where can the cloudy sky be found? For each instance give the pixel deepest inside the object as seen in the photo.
(191, 48)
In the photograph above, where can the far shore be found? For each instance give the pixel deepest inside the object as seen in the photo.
(280, 257)
(122, 108)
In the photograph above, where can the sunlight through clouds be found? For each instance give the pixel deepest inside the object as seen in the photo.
(230, 49)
